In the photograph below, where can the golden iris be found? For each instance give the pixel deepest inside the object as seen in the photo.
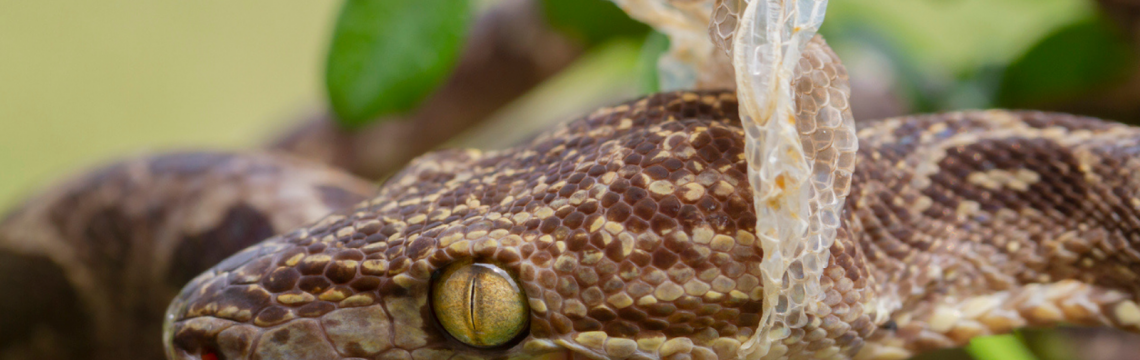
(479, 304)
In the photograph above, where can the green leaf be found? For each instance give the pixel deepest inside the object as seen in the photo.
(592, 21)
(652, 48)
(1072, 61)
(1001, 347)
(388, 55)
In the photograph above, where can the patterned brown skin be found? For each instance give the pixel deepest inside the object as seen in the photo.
(630, 230)
(89, 266)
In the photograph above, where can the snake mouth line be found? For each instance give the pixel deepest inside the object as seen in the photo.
(569, 351)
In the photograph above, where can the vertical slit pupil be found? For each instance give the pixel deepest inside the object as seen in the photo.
(471, 298)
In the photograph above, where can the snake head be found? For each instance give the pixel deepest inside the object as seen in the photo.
(314, 294)
(626, 234)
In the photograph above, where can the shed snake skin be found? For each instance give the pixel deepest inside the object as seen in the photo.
(632, 232)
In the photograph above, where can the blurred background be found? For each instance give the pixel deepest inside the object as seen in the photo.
(83, 83)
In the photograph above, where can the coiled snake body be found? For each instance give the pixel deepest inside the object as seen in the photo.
(631, 233)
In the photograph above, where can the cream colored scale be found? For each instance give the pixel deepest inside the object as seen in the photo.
(800, 152)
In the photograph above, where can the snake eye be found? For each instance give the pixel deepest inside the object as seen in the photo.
(479, 304)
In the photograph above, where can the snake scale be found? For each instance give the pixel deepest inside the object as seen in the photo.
(630, 233)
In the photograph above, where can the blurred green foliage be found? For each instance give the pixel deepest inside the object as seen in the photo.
(597, 22)
(654, 46)
(591, 22)
(1071, 61)
(954, 36)
(1001, 347)
(387, 56)
(948, 55)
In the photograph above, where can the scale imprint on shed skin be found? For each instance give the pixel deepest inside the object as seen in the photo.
(630, 231)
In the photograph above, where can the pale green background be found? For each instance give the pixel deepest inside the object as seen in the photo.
(83, 82)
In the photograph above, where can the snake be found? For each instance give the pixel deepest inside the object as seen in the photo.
(629, 233)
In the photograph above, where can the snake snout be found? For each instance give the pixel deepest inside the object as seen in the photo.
(284, 299)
